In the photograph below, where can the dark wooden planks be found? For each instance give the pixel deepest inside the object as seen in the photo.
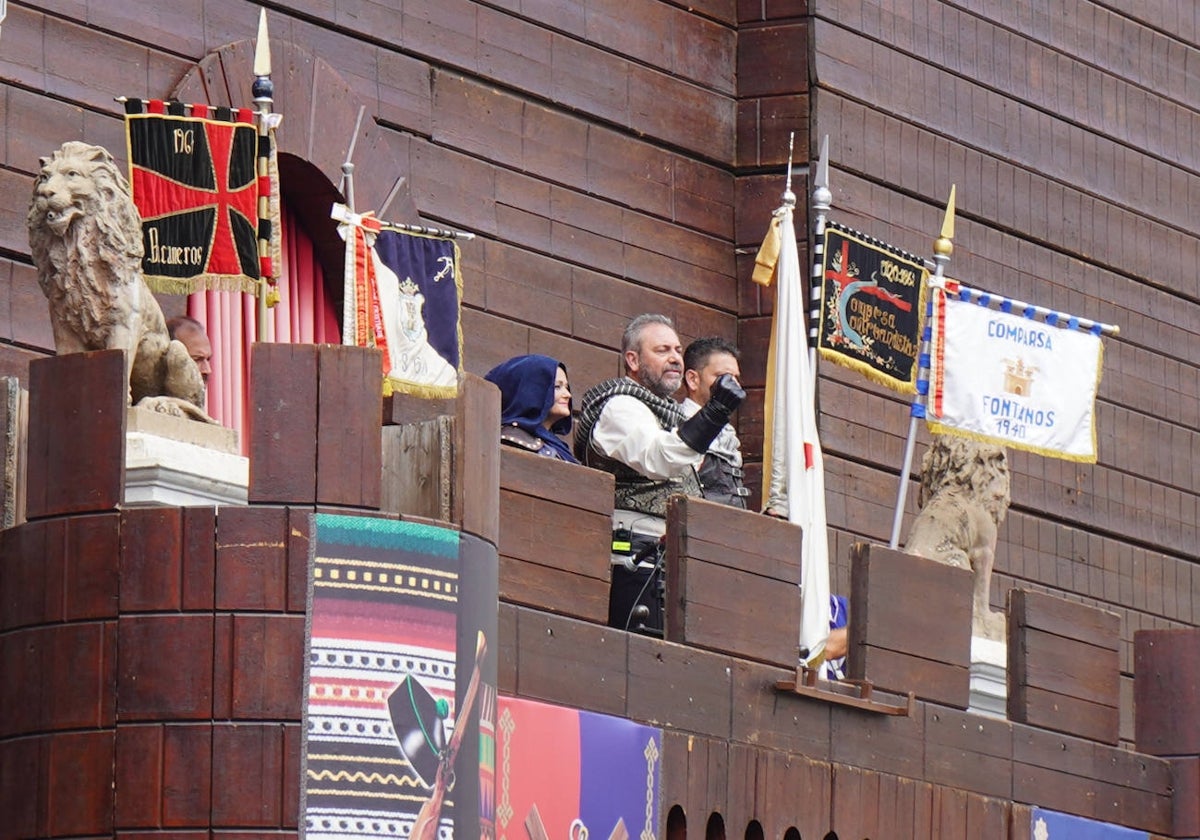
(968, 751)
(910, 624)
(732, 581)
(315, 414)
(1185, 812)
(551, 666)
(348, 420)
(283, 423)
(680, 687)
(779, 720)
(1167, 691)
(1063, 669)
(886, 743)
(1081, 777)
(76, 437)
(476, 473)
(555, 535)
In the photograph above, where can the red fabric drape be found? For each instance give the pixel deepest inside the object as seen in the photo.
(305, 315)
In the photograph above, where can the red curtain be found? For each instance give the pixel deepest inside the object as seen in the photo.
(305, 315)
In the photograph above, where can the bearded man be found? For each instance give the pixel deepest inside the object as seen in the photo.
(632, 427)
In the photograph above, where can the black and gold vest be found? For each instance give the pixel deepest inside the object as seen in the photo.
(634, 491)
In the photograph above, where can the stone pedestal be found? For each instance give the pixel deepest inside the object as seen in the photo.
(989, 677)
(173, 461)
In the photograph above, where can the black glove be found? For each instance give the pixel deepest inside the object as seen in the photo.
(702, 428)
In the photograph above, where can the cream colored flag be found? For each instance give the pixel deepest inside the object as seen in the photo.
(794, 469)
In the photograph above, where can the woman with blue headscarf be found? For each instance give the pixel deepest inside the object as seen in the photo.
(535, 404)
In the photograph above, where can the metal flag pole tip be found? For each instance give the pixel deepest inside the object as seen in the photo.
(822, 197)
(347, 185)
(822, 202)
(789, 197)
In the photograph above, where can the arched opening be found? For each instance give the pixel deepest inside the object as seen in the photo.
(676, 824)
(309, 157)
(792, 833)
(310, 292)
(754, 830)
(715, 830)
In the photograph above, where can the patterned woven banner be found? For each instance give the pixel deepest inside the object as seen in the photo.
(381, 680)
(403, 294)
(565, 774)
(194, 179)
(1004, 377)
(871, 314)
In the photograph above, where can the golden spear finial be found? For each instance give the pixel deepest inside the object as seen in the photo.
(262, 47)
(943, 246)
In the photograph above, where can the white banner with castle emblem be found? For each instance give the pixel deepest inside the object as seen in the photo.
(1001, 376)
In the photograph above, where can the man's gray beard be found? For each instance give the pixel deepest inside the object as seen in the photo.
(656, 386)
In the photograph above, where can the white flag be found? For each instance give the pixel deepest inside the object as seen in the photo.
(794, 481)
(1009, 379)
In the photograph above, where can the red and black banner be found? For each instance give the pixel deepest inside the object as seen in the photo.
(195, 181)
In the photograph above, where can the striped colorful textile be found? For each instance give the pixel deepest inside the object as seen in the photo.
(380, 658)
(487, 763)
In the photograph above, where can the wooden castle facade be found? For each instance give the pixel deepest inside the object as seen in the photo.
(615, 159)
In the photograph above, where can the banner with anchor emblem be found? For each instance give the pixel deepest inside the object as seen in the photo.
(871, 312)
(402, 295)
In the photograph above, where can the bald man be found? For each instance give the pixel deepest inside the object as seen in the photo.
(191, 333)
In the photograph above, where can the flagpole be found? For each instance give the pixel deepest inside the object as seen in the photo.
(263, 91)
(793, 465)
(436, 232)
(347, 185)
(822, 202)
(943, 247)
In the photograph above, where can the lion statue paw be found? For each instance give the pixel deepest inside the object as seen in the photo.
(175, 407)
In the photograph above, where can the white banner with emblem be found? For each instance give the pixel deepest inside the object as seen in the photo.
(1002, 376)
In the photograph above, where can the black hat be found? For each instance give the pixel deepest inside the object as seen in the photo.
(417, 724)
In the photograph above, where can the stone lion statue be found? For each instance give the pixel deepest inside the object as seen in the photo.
(964, 497)
(86, 239)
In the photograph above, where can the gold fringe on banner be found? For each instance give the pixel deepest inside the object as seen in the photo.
(940, 429)
(191, 285)
(879, 378)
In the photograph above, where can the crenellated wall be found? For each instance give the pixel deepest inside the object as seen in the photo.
(621, 158)
(153, 657)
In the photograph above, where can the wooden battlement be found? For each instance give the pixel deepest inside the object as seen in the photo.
(146, 641)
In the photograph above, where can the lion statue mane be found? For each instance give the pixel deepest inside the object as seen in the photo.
(963, 499)
(85, 236)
